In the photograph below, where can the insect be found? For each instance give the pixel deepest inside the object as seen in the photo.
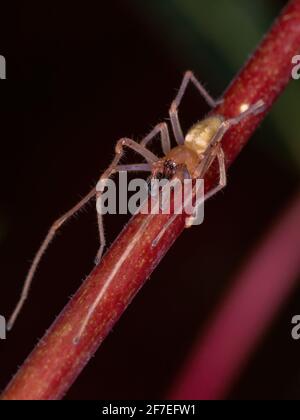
(192, 157)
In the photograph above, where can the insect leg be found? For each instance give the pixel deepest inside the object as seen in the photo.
(188, 77)
(255, 109)
(163, 231)
(51, 233)
(112, 169)
(190, 220)
(172, 218)
(222, 184)
(134, 167)
(143, 167)
(210, 152)
(213, 151)
(161, 128)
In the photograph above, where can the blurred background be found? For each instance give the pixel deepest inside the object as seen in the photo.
(79, 77)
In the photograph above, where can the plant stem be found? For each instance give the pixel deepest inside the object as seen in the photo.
(56, 361)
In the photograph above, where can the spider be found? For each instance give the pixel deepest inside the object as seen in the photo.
(192, 156)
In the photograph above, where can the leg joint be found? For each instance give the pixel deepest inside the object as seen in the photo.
(57, 224)
(189, 74)
(173, 108)
(120, 144)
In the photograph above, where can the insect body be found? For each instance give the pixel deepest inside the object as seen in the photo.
(189, 155)
(200, 135)
(191, 158)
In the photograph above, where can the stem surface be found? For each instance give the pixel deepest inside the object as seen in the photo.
(56, 362)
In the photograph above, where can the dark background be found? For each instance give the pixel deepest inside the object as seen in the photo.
(80, 76)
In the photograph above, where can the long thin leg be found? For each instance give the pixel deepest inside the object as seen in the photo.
(190, 220)
(51, 233)
(161, 129)
(112, 169)
(209, 153)
(214, 150)
(170, 221)
(223, 176)
(254, 109)
(135, 167)
(222, 184)
(188, 77)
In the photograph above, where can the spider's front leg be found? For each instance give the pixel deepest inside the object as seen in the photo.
(141, 149)
(173, 112)
(114, 168)
(41, 251)
(161, 129)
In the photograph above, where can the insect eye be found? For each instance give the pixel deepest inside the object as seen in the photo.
(160, 176)
(170, 164)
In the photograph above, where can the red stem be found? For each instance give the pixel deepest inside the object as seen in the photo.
(56, 362)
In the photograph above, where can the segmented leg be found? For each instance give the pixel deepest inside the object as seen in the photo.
(112, 169)
(161, 129)
(191, 220)
(212, 151)
(171, 220)
(210, 154)
(188, 77)
(134, 167)
(51, 233)
(222, 184)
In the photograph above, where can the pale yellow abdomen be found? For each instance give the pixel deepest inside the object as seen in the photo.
(201, 134)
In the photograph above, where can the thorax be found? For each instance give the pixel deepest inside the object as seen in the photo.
(196, 142)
